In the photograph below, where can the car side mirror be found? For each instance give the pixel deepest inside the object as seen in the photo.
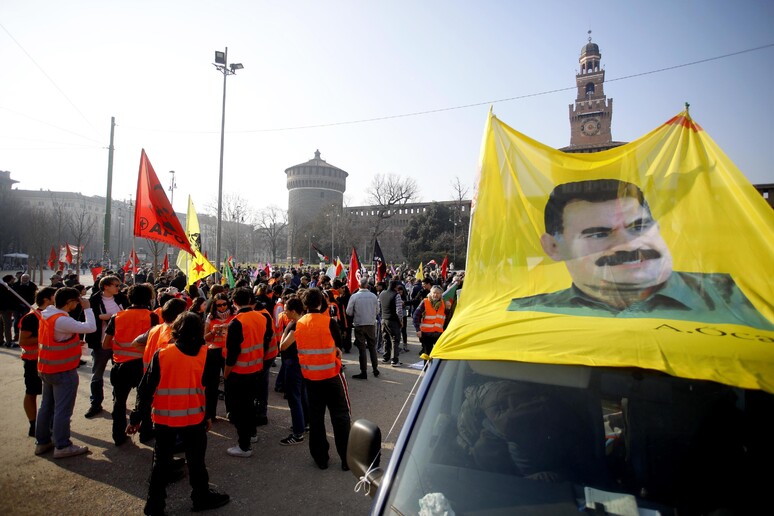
(364, 452)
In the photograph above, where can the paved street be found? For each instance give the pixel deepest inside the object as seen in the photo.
(111, 480)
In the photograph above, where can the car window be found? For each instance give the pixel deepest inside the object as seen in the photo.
(486, 439)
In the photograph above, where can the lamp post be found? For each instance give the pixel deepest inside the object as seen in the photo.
(172, 186)
(221, 58)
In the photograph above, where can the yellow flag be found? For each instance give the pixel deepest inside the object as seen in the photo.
(200, 267)
(420, 275)
(656, 254)
(192, 231)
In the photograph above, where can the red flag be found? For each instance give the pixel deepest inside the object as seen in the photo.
(69, 254)
(52, 258)
(95, 271)
(131, 263)
(353, 280)
(154, 217)
(61, 266)
(267, 269)
(445, 266)
(165, 267)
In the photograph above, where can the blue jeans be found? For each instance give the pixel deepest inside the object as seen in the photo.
(296, 394)
(56, 406)
(99, 361)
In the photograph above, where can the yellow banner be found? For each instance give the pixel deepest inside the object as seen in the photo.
(192, 232)
(656, 254)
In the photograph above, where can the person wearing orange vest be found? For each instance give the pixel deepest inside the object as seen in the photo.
(249, 335)
(269, 358)
(160, 336)
(429, 318)
(123, 328)
(215, 331)
(28, 341)
(316, 336)
(172, 391)
(59, 354)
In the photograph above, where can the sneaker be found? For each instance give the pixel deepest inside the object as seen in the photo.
(92, 412)
(376, 373)
(236, 451)
(211, 500)
(361, 376)
(70, 451)
(386, 360)
(291, 440)
(254, 438)
(396, 363)
(40, 449)
(405, 348)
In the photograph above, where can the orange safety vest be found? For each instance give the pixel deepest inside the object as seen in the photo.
(129, 324)
(218, 341)
(29, 352)
(316, 348)
(179, 398)
(56, 357)
(279, 326)
(279, 309)
(250, 359)
(273, 350)
(433, 320)
(159, 337)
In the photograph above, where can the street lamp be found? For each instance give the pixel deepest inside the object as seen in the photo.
(221, 58)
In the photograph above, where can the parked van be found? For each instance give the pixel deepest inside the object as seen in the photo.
(543, 397)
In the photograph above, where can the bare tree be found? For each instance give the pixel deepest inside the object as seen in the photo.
(81, 224)
(271, 224)
(388, 193)
(157, 249)
(38, 237)
(459, 190)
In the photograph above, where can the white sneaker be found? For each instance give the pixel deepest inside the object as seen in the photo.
(236, 451)
(70, 451)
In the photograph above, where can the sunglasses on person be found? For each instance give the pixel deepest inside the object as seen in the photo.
(221, 305)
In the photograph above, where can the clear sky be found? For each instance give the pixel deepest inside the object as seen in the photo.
(69, 66)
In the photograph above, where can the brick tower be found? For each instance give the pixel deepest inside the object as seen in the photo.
(592, 114)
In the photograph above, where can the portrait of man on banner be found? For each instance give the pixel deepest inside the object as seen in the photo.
(604, 232)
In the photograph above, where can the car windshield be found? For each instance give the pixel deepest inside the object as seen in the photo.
(514, 438)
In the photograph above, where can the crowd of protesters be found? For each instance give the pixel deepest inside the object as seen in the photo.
(183, 348)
